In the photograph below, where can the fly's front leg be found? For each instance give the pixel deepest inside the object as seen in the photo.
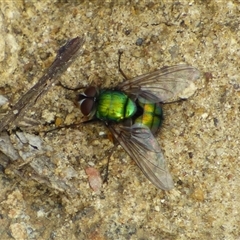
(120, 52)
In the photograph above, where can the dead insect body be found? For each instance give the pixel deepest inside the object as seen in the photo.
(133, 113)
(65, 56)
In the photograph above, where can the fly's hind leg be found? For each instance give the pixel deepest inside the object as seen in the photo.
(105, 168)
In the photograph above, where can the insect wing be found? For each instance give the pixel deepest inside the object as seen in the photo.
(162, 85)
(141, 145)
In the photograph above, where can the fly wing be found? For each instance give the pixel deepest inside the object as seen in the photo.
(141, 145)
(162, 85)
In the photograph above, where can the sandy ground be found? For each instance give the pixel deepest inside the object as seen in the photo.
(49, 197)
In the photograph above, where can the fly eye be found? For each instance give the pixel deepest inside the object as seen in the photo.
(90, 92)
(87, 106)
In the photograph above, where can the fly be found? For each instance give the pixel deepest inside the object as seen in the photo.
(132, 112)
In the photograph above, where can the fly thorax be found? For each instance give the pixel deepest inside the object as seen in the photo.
(130, 108)
(114, 106)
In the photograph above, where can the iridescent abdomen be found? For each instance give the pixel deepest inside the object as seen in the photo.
(114, 106)
(152, 116)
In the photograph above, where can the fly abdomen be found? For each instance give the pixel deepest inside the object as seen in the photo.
(114, 106)
(152, 116)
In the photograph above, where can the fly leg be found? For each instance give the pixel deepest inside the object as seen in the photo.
(105, 169)
(69, 88)
(120, 52)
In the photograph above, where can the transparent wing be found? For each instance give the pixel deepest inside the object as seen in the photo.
(161, 85)
(141, 145)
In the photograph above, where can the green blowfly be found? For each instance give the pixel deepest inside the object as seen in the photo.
(132, 112)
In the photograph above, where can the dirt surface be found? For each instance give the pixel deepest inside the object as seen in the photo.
(45, 192)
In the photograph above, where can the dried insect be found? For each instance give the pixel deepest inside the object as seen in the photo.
(65, 56)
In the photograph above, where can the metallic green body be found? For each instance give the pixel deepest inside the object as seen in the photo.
(114, 106)
(152, 116)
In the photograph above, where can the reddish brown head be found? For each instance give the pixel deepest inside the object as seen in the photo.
(87, 100)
